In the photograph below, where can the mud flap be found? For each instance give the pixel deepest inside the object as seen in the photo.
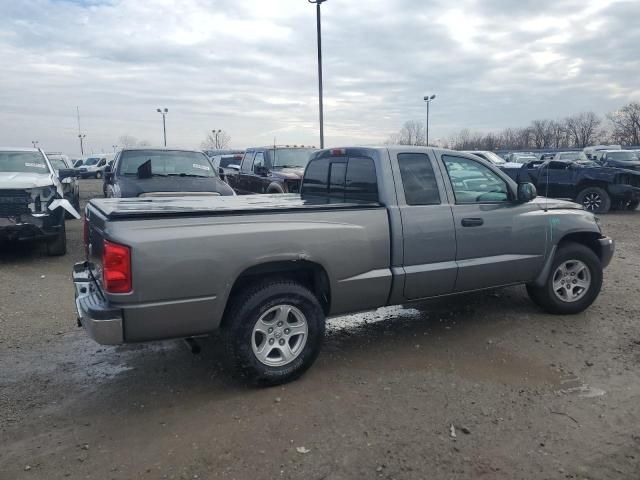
(64, 203)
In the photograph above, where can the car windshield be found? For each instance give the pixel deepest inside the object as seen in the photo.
(166, 163)
(23, 162)
(291, 157)
(524, 158)
(91, 161)
(622, 156)
(497, 159)
(573, 156)
(226, 161)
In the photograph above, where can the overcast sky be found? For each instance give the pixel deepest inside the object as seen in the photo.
(249, 67)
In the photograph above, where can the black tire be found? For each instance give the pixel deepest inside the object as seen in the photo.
(98, 175)
(57, 246)
(545, 296)
(594, 199)
(244, 312)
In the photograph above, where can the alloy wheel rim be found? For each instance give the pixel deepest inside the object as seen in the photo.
(592, 201)
(279, 335)
(571, 281)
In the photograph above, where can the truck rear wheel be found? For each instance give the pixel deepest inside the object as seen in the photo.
(273, 332)
(574, 282)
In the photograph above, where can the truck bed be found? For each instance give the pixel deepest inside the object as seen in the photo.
(127, 208)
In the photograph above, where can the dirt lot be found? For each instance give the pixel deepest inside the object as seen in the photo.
(529, 395)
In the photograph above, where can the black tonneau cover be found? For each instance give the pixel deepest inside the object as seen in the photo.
(126, 208)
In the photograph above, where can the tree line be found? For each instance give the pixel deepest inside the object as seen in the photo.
(621, 127)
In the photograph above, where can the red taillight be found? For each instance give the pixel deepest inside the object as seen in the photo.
(116, 268)
(85, 226)
(338, 152)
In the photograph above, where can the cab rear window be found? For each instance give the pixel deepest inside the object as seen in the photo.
(341, 178)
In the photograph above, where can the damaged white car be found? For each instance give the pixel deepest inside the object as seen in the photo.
(32, 200)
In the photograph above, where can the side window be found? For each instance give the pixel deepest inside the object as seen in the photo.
(247, 162)
(102, 162)
(558, 165)
(473, 182)
(258, 161)
(418, 179)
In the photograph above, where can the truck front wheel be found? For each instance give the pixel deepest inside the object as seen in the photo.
(273, 331)
(594, 199)
(574, 281)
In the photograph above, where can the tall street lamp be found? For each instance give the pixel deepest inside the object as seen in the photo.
(319, 27)
(81, 136)
(428, 99)
(34, 143)
(164, 112)
(114, 148)
(216, 134)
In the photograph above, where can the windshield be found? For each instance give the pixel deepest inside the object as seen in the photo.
(622, 156)
(91, 161)
(166, 163)
(497, 159)
(573, 156)
(24, 162)
(523, 158)
(292, 157)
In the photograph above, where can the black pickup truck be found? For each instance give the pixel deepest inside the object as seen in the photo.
(274, 169)
(598, 189)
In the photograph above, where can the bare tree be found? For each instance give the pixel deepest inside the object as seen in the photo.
(216, 140)
(626, 124)
(583, 128)
(411, 133)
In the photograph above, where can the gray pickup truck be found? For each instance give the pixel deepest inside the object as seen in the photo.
(371, 227)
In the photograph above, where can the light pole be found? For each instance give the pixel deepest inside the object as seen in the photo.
(81, 137)
(164, 112)
(114, 148)
(216, 133)
(428, 99)
(319, 27)
(34, 143)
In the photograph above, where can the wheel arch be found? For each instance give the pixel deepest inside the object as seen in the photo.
(588, 239)
(308, 273)
(275, 187)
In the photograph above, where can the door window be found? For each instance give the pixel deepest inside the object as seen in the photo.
(473, 182)
(247, 162)
(258, 161)
(418, 179)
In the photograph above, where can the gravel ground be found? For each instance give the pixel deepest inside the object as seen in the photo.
(478, 386)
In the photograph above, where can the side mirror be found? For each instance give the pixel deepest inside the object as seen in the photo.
(67, 173)
(526, 192)
(108, 169)
(108, 174)
(262, 171)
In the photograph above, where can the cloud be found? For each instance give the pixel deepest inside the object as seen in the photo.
(250, 67)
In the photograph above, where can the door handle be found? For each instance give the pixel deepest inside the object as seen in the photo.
(472, 222)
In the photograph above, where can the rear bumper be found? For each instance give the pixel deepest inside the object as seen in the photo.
(102, 322)
(607, 248)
